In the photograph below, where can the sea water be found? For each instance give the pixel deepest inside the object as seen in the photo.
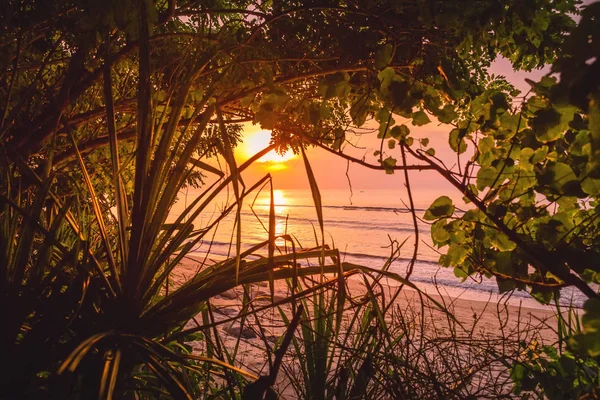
(362, 224)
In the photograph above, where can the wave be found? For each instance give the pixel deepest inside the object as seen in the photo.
(352, 208)
(384, 259)
(425, 272)
(445, 278)
(218, 247)
(394, 226)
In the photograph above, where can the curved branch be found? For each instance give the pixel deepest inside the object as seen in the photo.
(366, 164)
(412, 211)
(543, 263)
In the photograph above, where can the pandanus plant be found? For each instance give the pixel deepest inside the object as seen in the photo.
(83, 297)
(127, 337)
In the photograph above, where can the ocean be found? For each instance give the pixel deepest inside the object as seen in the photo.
(361, 224)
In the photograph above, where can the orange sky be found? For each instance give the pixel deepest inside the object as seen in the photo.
(330, 170)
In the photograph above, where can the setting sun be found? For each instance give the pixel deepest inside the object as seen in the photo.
(255, 141)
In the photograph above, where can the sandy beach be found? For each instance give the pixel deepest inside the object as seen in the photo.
(252, 339)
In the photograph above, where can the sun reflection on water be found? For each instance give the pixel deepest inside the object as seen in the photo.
(281, 207)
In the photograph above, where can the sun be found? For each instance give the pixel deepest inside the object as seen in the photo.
(253, 142)
(279, 198)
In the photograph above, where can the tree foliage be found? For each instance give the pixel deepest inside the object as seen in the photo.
(118, 104)
(281, 64)
(533, 177)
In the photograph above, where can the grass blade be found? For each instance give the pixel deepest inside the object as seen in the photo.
(236, 180)
(120, 197)
(98, 214)
(271, 248)
(108, 381)
(316, 195)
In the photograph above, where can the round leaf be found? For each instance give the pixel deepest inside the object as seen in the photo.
(440, 208)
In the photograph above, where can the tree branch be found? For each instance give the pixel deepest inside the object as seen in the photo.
(541, 262)
(366, 164)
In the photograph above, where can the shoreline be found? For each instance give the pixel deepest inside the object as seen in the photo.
(474, 333)
(465, 309)
(462, 291)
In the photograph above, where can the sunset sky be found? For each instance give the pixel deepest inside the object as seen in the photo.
(330, 170)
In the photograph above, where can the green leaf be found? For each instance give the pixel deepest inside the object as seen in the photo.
(539, 155)
(579, 144)
(525, 159)
(505, 285)
(549, 123)
(546, 124)
(386, 77)
(461, 273)
(457, 142)
(472, 215)
(504, 263)
(439, 233)
(340, 137)
(160, 95)
(457, 255)
(333, 85)
(591, 318)
(359, 112)
(543, 296)
(388, 164)
(500, 101)
(558, 175)
(485, 144)
(518, 372)
(591, 186)
(197, 96)
(447, 114)
(385, 128)
(486, 177)
(420, 118)
(500, 241)
(510, 124)
(543, 85)
(399, 132)
(382, 116)
(432, 102)
(442, 207)
(391, 144)
(383, 56)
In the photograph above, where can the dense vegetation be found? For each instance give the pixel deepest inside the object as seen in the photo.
(118, 105)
